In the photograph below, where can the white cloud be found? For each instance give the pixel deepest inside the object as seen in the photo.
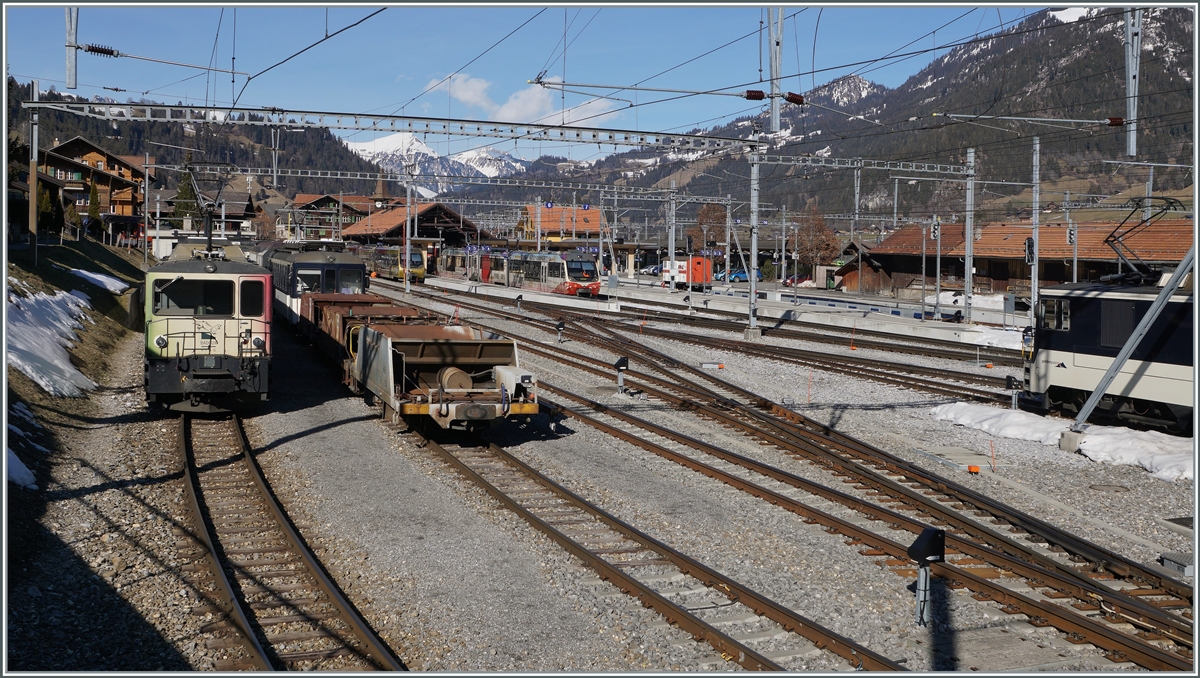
(530, 104)
(526, 105)
(466, 90)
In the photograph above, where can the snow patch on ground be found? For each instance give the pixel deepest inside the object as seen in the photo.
(1166, 457)
(40, 328)
(107, 282)
(18, 473)
(992, 336)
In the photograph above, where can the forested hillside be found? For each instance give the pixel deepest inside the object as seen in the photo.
(242, 145)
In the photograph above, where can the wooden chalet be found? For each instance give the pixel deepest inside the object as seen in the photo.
(80, 164)
(435, 222)
(899, 256)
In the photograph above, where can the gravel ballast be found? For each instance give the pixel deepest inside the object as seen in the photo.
(454, 582)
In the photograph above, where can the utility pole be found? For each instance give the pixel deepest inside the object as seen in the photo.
(1133, 58)
(969, 292)
(782, 243)
(854, 225)
(146, 211)
(537, 222)
(1149, 192)
(937, 285)
(1037, 196)
(775, 31)
(671, 237)
(923, 278)
(896, 203)
(1073, 234)
(33, 182)
(72, 49)
(408, 211)
(275, 136)
(728, 229)
(753, 332)
(573, 236)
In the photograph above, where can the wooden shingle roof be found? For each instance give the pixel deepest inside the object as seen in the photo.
(384, 221)
(1162, 241)
(907, 240)
(560, 217)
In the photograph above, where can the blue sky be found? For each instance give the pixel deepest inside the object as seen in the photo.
(386, 63)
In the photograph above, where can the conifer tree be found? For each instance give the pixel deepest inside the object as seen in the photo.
(94, 204)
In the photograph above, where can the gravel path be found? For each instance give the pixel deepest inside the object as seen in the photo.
(97, 587)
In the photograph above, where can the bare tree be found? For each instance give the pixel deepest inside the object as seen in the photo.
(814, 241)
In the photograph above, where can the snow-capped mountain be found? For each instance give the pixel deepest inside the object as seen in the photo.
(847, 91)
(491, 162)
(403, 151)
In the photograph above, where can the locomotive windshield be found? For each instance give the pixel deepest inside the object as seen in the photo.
(308, 280)
(415, 260)
(193, 297)
(581, 270)
(350, 281)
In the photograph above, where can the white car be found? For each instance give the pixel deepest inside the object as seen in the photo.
(651, 270)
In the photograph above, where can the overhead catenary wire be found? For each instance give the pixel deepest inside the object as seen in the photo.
(302, 51)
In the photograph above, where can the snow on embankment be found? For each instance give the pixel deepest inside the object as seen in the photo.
(40, 328)
(1166, 457)
(100, 280)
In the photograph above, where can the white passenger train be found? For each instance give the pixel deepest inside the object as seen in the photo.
(1080, 329)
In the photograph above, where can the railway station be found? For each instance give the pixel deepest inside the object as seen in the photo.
(294, 388)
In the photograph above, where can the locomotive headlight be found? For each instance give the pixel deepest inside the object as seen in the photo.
(258, 342)
(160, 341)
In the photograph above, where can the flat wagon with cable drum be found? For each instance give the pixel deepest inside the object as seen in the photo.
(419, 364)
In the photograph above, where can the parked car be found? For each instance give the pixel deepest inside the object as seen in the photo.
(651, 270)
(740, 275)
(793, 280)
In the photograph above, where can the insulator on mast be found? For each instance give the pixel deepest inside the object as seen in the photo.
(101, 50)
(755, 95)
(793, 98)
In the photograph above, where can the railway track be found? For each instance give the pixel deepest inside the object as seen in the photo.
(988, 573)
(931, 380)
(786, 329)
(275, 607)
(1130, 610)
(712, 607)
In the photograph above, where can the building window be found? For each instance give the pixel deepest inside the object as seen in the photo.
(99, 164)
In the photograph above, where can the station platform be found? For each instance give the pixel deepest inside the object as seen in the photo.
(816, 309)
(511, 293)
(844, 314)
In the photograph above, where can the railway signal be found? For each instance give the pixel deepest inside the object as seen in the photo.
(1029, 251)
(1071, 234)
(621, 365)
(929, 547)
